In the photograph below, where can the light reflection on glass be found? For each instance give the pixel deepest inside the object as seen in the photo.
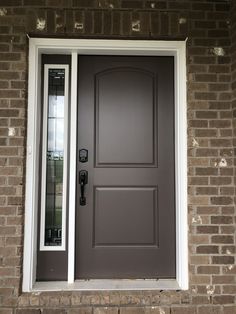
(55, 156)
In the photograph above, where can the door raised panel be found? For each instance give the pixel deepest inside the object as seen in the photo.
(125, 216)
(125, 117)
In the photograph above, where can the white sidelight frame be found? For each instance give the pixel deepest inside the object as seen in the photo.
(37, 46)
(62, 247)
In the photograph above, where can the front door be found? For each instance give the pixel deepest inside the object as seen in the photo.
(125, 216)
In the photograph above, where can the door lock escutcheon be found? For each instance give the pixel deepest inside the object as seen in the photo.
(83, 180)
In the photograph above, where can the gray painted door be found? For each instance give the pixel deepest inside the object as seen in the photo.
(126, 122)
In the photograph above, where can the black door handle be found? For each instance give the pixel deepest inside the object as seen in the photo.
(83, 180)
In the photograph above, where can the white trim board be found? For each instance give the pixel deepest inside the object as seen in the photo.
(37, 46)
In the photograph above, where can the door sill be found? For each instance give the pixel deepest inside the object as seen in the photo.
(107, 284)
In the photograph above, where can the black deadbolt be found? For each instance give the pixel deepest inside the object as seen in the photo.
(83, 155)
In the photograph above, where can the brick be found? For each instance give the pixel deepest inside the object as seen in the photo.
(200, 300)
(208, 270)
(137, 4)
(223, 260)
(224, 78)
(218, 87)
(220, 105)
(4, 66)
(17, 103)
(198, 181)
(17, 84)
(28, 311)
(7, 190)
(157, 310)
(206, 152)
(196, 68)
(35, 2)
(206, 171)
(53, 311)
(15, 200)
(202, 6)
(107, 310)
(221, 220)
(205, 133)
(227, 190)
(14, 241)
(198, 200)
(224, 96)
(217, 33)
(132, 310)
(207, 77)
(181, 310)
(206, 190)
(223, 299)
(206, 114)
(219, 69)
(9, 112)
(222, 239)
(205, 24)
(9, 56)
(198, 123)
(220, 143)
(207, 249)
(209, 309)
(225, 114)
(84, 3)
(229, 289)
(4, 84)
(158, 4)
(226, 133)
(81, 310)
(9, 93)
(227, 229)
(221, 200)
(223, 280)
(207, 229)
(6, 3)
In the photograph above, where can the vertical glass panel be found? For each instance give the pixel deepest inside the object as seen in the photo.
(55, 156)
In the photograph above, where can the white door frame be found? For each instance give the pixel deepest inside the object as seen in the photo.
(37, 46)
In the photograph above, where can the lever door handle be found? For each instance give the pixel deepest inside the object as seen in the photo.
(83, 180)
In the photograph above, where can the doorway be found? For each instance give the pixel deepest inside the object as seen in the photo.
(99, 47)
(125, 210)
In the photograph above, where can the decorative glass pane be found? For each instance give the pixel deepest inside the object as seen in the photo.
(55, 157)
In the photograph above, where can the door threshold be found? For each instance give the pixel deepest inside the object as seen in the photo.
(107, 284)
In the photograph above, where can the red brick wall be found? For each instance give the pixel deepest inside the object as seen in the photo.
(209, 25)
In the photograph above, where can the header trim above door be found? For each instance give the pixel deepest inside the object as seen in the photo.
(73, 47)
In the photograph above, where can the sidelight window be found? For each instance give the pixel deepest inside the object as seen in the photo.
(54, 158)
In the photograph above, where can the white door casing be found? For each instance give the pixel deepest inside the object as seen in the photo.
(37, 46)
